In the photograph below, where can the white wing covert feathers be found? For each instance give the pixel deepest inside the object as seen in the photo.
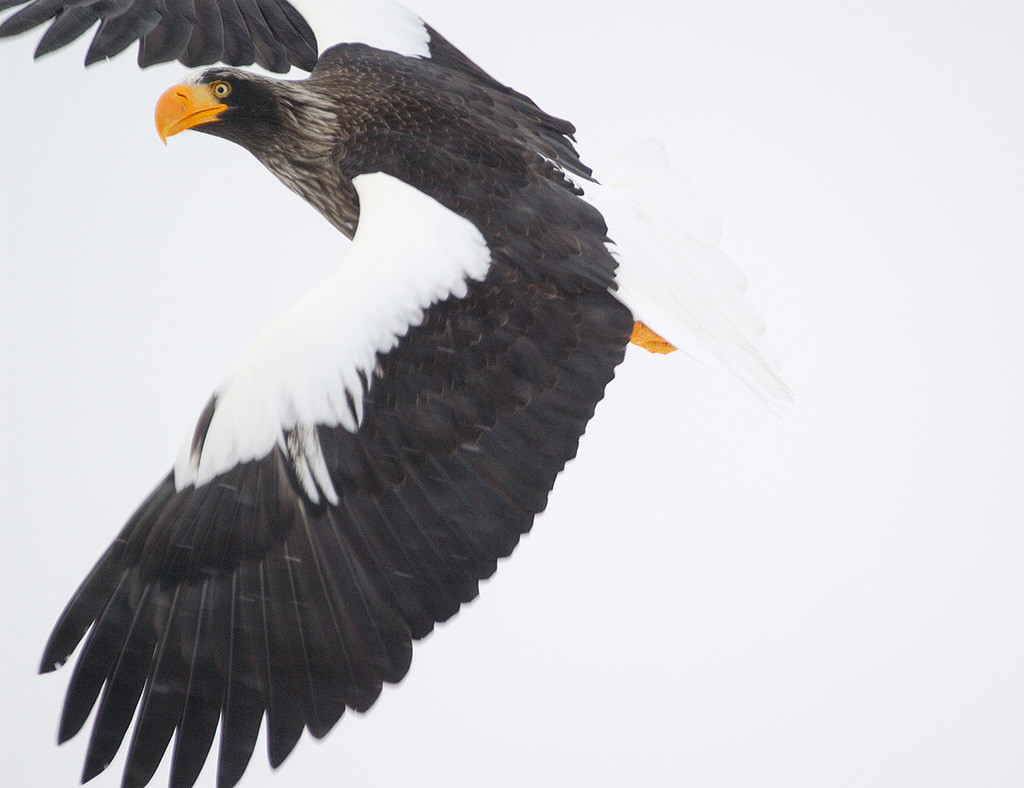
(310, 366)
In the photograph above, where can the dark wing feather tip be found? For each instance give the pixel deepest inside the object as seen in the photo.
(195, 32)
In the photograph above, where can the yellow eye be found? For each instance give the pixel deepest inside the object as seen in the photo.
(220, 89)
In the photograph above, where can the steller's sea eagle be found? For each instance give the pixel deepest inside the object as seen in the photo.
(388, 438)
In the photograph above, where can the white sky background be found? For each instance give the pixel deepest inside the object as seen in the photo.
(715, 596)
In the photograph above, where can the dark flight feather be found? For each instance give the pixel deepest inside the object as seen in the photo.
(196, 32)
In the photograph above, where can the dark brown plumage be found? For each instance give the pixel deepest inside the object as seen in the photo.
(249, 596)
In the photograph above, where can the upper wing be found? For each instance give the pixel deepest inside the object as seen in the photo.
(196, 32)
(364, 466)
(274, 34)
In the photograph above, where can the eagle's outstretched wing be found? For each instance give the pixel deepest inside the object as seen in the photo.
(346, 488)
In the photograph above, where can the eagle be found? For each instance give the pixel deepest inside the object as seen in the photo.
(389, 437)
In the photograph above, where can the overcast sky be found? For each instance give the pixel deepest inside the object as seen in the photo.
(716, 596)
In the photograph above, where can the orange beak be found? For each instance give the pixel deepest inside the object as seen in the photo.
(185, 106)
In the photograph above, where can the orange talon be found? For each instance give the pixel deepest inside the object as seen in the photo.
(648, 340)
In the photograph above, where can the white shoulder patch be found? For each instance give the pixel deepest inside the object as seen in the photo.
(307, 367)
(382, 24)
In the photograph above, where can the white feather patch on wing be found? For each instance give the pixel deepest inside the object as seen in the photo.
(671, 275)
(307, 366)
(383, 24)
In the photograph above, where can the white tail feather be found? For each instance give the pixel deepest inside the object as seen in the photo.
(671, 274)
